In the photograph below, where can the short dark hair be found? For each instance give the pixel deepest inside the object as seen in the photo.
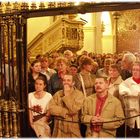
(102, 76)
(38, 56)
(74, 65)
(115, 66)
(68, 73)
(34, 62)
(43, 78)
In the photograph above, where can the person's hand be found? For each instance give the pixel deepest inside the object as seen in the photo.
(96, 120)
(124, 94)
(48, 116)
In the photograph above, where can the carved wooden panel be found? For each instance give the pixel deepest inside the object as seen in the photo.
(128, 37)
(63, 34)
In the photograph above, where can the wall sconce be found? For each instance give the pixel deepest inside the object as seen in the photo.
(102, 27)
(116, 15)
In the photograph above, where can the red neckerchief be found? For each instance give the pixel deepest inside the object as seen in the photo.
(136, 80)
(99, 105)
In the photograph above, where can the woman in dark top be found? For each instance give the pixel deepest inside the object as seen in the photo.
(55, 82)
(35, 73)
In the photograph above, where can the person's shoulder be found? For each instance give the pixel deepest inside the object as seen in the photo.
(113, 98)
(54, 76)
(78, 91)
(100, 69)
(41, 74)
(52, 70)
(31, 94)
(128, 80)
(76, 76)
(91, 97)
(59, 93)
(48, 94)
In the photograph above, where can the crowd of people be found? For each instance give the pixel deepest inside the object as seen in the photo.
(87, 95)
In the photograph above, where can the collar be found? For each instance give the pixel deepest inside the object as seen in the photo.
(136, 80)
(102, 98)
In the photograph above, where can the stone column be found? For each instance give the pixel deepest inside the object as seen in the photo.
(98, 32)
(116, 16)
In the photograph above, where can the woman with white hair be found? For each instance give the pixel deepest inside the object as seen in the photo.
(127, 63)
(70, 56)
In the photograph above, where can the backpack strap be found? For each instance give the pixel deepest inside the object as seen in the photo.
(83, 85)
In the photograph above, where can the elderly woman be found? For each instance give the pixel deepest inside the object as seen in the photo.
(128, 60)
(130, 92)
(104, 70)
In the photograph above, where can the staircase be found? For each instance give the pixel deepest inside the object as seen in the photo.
(61, 35)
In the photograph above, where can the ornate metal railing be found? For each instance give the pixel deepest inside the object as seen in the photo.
(13, 75)
(8, 119)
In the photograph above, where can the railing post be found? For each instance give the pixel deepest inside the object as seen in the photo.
(21, 51)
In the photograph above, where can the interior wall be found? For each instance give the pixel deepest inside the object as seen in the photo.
(92, 33)
(107, 34)
(89, 40)
(103, 43)
(36, 25)
(107, 44)
(89, 32)
(129, 31)
(93, 39)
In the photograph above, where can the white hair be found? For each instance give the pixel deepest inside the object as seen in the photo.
(130, 57)
(68, 52)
